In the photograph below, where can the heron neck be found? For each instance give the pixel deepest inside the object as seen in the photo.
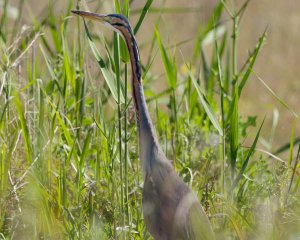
(147, 136)
(143, 118)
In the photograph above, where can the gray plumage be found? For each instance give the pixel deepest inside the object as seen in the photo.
(171, 210)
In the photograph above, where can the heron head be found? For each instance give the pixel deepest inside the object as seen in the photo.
(116, 21)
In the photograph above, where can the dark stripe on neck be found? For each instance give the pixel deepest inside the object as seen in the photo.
(136, 58)
(119, 24)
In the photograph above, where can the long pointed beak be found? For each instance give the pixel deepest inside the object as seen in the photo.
(92, 16)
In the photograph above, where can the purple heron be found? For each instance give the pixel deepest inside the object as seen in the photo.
(171, 210)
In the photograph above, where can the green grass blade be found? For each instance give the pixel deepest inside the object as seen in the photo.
(169, 64)
(123, 48)
(108, 76)
(48, 63)
(66, 59)
(205, 67)
(210, 113)
(294, 170)
(126, 8)
(251, 61)
(66, 132)
(50, 69)
(292, 138)
(212, 22)
(281, 101)
(286, 146)
(142, 16)
(25, 131)
(234, 132)
(124, 55)
(7, 158)
(118, 7)
(85, 149)
(250, 152)
(2, 116)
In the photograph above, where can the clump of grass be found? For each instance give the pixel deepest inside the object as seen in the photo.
(69, 164)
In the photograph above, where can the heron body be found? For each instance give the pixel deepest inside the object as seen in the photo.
(171, 210)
